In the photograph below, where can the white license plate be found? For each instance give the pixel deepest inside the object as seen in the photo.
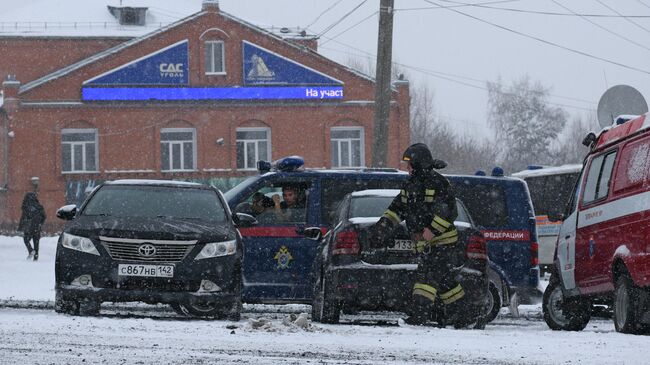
(157, 271)
(402, 245)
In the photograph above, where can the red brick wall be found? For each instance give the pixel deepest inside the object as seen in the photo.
(30, 58)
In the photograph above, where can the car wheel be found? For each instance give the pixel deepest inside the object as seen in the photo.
(324, 308)
(89, 307)
(626, 298)
(65, 306)
(233, 311)
(562, 315)
(494, 303)
(202, 309)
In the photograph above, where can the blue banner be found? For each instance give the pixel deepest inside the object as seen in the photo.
(211, 93)
(168, 66)
(263, 67)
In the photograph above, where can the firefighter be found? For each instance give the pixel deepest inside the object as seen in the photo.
(428, 205)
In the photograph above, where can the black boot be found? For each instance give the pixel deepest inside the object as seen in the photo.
(420, 311)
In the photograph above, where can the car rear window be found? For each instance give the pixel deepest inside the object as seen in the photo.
(375, 206)
(551, 193)
(333, 191)
(486, 203)
(156, 201)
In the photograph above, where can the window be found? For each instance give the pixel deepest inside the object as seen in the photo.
(551, 193)
(600, 171)
(486, 203)
(79, 150)
(347, 147)
(214, 59)
(177, 151)
(253, 144)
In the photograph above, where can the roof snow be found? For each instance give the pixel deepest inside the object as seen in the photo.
(555, 170)
(84, 18)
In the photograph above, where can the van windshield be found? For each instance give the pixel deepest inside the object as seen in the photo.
(156, 201)
(551, 193)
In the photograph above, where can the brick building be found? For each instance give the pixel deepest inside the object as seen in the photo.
(202, 98)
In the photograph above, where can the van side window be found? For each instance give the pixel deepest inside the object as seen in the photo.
(600, 172)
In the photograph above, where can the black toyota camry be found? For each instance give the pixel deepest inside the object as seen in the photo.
(351, 274)
(152, 241)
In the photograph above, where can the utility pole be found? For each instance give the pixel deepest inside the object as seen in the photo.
(382, 84)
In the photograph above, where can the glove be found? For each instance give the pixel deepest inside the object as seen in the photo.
(380, 233)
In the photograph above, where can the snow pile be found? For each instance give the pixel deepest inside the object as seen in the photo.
(290, 323)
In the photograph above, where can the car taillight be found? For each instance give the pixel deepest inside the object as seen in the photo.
(534, 251)
(346, 243)
(476, 248)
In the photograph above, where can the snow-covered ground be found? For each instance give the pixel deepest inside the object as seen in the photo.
(32, 333)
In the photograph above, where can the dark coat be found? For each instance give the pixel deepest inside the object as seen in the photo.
(33, 215)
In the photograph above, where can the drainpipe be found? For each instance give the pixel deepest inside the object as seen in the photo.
(10, 88)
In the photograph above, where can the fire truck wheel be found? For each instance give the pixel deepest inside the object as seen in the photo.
(626, 298)
(561, 314)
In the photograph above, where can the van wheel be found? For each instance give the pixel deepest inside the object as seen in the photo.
(560, 314)
(493, 305)
(626, 298)
(324, 308)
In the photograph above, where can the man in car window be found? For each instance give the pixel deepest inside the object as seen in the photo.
(292, 207)
(261, 203)
(427, 203)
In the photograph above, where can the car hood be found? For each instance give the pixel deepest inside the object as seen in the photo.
(150, 228)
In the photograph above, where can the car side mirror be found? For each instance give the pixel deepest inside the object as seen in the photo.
(313, 233)
(67, 212)
(556, 217)
(243, 220)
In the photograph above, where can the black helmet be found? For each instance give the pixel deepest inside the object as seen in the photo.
(419, 156)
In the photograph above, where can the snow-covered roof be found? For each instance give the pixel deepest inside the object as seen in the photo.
(553, 170)
(87, 18)
(152, 182)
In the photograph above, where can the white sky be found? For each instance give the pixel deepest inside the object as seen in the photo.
(451, 53)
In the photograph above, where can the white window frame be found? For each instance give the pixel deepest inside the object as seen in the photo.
(84, 146)
(223, 58)
(256, 142)
(362, 146)
(169, 145)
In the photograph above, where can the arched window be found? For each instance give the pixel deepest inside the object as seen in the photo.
(215, 63)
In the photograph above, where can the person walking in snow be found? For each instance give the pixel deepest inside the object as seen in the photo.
(31, 220)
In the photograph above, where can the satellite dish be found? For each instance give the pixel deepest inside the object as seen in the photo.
(618, 100)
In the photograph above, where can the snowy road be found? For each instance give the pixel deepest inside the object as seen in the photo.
(155, 335)
(32, 333)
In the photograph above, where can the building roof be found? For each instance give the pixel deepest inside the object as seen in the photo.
(87, 18)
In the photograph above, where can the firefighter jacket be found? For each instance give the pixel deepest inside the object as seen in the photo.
(426, 201)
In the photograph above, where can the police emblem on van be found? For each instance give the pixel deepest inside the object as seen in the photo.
(283, 257)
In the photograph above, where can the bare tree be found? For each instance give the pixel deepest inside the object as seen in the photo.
(524, 122)
(570, 148)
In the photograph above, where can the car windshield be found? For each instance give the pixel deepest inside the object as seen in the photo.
(156, 201)
(374, 206)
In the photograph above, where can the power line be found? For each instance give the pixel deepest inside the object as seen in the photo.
(349, 28)
(601, 27)
(543, 40)
(644, 4)
(341, 19)
(323, 13)
(628, 20)
(446, 77)
(485, 6)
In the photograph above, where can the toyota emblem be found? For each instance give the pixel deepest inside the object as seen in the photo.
(147, 250)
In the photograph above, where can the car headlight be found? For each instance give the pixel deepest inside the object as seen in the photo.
(78, 243)
(216, 249)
